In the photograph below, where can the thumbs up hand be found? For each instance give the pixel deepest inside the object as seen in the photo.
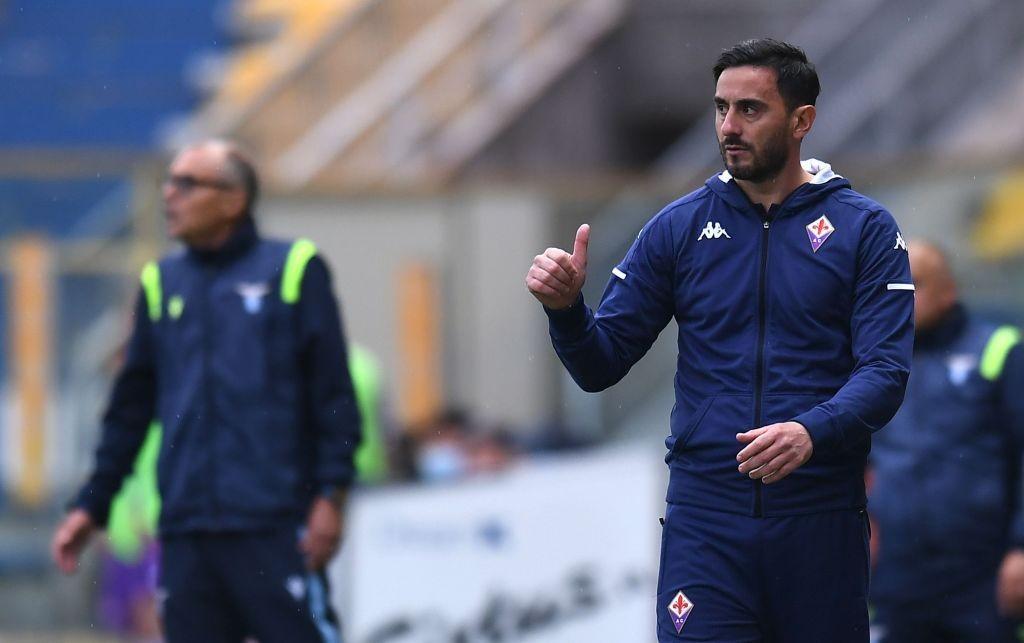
(556, 277)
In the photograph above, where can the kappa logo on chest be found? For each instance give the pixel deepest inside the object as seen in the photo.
(713, 231)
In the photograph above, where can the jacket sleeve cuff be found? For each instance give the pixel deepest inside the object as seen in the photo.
(568, 322)
(90, 501)
(825, 435)
(334, 475)
(1017, 531)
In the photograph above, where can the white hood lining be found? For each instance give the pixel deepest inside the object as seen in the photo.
(820, 171)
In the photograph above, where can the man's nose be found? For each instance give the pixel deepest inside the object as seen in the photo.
(168, 191)
(730, 124)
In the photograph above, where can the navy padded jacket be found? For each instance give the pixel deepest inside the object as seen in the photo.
(245, 369)
(946, 495)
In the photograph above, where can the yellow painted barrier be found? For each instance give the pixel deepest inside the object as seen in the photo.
(30, 306)
(420, 346)
(999, 233)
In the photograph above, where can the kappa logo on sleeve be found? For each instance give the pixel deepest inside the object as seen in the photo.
(900, 243)
(680, 609)
(819, 232)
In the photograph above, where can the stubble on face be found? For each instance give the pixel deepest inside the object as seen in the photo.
(766, 161)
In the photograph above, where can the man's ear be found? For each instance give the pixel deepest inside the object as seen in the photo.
(802, 120)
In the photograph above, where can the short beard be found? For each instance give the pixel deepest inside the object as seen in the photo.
(766, 164)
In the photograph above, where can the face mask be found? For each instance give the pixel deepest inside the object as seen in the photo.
(441, 463)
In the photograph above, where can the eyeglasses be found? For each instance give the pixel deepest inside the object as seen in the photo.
(187, 183)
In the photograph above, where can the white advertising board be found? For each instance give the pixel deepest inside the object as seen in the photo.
(557, 550)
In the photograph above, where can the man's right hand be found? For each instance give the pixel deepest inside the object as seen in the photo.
(556, 277)
(1010, 584)
(70, 539)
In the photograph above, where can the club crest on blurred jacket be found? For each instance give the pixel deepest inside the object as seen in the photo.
(252, 295)
(960, 366)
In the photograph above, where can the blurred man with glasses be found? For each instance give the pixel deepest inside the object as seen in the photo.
(946, 498)
(238, 351)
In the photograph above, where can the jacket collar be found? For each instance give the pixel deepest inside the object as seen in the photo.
(820, 171)
(823, 183)
(945, 332)
(244, 237)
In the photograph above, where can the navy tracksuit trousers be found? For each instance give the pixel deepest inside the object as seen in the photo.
(225, 587)
(729, 578)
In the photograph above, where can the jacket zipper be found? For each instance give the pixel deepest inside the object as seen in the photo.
(207, 391)
(759, 373)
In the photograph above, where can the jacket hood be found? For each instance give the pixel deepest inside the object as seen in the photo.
(823, 183)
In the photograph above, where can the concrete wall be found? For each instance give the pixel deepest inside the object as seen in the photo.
(496, 358)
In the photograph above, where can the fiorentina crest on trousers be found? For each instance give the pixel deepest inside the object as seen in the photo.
(819, 231)
(680, 609)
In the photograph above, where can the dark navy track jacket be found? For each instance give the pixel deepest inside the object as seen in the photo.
(803, 313)
(946, 495)
(245, 369)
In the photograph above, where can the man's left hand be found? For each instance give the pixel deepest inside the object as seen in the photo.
(323, 533)
(774, 451)
(1010, 587)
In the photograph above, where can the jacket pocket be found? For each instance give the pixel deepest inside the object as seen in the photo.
(691, 426)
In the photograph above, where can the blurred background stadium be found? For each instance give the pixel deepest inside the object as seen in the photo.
(431, 148)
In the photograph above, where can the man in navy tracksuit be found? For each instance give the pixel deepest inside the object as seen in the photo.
(794, 304)
(945, 496)
(237, 349)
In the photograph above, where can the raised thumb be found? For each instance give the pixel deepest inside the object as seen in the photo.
(579, 247)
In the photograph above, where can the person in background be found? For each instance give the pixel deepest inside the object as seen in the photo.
(129, 563)
(371, 457)
(451, 447)
(441, 449)
(945, 500)
(238, 351)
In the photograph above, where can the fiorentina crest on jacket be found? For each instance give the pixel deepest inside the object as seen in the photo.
(819, 231)
(680, 609)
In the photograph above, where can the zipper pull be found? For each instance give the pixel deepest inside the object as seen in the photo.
(766, 224)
